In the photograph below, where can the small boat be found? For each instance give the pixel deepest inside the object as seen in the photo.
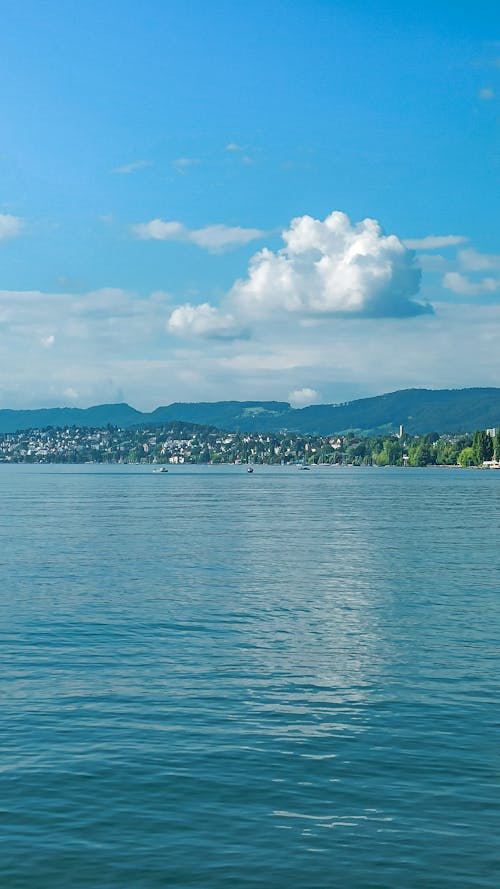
(163, 469)
(250, 469)
(303, 466)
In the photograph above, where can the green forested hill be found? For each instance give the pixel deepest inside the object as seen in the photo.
(91, 417)
(419, 410)
(244, 415)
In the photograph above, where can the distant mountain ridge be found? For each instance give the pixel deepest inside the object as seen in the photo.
(419, 410)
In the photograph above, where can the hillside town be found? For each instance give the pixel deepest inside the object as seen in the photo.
(176, 443)
(179, 443)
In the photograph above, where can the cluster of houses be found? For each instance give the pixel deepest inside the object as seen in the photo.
(54, 444)
(182, 444)
(179, 443)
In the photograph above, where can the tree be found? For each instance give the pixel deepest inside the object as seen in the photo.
(447, 452)
(466, 457)
(421, 453)
(391, 453)
(482, 447)
(496, 444)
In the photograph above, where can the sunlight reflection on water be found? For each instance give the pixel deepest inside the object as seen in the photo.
(284, 679)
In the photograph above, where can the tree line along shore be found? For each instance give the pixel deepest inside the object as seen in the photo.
(177, 443)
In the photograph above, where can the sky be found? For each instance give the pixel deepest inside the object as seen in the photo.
(279, 200)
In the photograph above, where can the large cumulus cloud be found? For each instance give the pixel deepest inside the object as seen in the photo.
(328, 267)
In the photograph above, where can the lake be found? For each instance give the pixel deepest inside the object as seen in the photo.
(214, 679)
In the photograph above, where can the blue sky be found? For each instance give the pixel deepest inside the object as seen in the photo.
(151, 152)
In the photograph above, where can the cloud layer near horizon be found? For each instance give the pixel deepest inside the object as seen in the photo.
(328, 267)
(111, 345)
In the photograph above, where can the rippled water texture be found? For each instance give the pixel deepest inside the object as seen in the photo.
(214, 679)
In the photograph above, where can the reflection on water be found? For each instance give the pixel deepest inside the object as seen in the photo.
(214, 679)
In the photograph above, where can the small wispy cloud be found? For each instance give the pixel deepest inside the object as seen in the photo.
(434, 242)
(432, 262)
(159, 230)
(211, 237)
(126, 169)
(463, 286)
(10, 226)
(220, 237)
(242, 152)
(474, 261)
(486, 93)
(182, 164)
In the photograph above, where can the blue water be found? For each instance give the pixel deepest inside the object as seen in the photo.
(214, 679)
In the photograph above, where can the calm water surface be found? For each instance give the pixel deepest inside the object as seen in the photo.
(213, 679)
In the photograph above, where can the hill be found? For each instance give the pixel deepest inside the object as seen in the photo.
(419, 410)
(91, 417)
(232, 415)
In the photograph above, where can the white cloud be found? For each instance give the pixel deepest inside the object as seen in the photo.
(107, 319)
(182, 164)
(159, 230)
(434, 242)
(246, 159)
(203, 320)
(326, 268)
(331, 267)
(211, 237)
(10, 226)
(486, 93)
(218, 237)
(474, 261)
(458, 283)
(126, 169)
(348, 357)
(112, 346)
(432, 262)
(102, 339)
(303, 397)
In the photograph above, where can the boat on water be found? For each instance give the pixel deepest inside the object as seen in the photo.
(250, 469)
(303, 466)
(163, 469)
